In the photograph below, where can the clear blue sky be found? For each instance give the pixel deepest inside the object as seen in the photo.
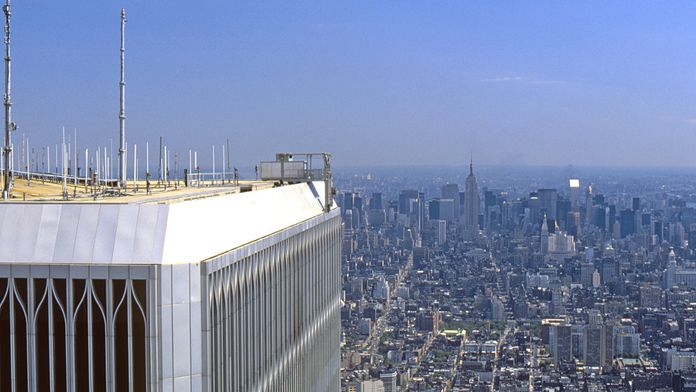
(606, 83)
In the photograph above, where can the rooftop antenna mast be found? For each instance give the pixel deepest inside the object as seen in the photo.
(9, 125)
(122, 112)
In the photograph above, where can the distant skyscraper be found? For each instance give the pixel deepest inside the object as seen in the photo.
(586, 270)
(588, 205)
(441, 209)
(547, 202)
(441, 231)
(451, 191)
(560, 344)
(628, 222)
(347, 201)
(574, 191)
(595, 345)
(376, 201)
(472, 203)
(404, 197)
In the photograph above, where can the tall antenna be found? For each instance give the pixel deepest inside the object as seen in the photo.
(9, 125)
(122, 112)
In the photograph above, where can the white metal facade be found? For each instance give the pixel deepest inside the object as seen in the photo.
(263, 315)
(274, 318)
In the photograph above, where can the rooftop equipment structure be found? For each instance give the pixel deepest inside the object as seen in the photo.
(294, 168)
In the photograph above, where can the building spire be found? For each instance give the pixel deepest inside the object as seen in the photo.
(471, 167)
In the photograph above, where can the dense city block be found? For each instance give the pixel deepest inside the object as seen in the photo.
(521, 279)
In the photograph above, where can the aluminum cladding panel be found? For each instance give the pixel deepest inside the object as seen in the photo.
(82, 233)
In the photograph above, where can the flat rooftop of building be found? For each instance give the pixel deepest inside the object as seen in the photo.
(37, 191)
(179, 225)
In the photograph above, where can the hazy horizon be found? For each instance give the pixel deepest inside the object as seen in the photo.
(544, 83)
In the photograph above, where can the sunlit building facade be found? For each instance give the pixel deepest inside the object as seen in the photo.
(217, 291)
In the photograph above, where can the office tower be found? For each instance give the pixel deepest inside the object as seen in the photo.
(635, 204)
(628, 345)
(610, 216)
(588, 205)
(609, 343)
(560, 342)
(646, 220)
(586, 270)
(547, 202)
(357, 218)
(419, 213)
(658, 230)
(404, 200)
(358, 202)
(599, 217)
(573, 223)
(451, 191)
(628, 222)
(598, 199)
(534, 206)
(557, 307)
(594, 340)
(434, 209)
(441, 209)
(191, 290)
(610, 271)
(670, 274)
(544, 240)
(380, 290)
(490, 200)
(441, 226)
(347, 201)
(677, 234)
(376, 216)
(472, 204)
(563, 207)
(574, 192)
(376, 201)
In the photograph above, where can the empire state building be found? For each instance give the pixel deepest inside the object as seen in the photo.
(472, 204)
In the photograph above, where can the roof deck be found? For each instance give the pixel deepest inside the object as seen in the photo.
(42, 191)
